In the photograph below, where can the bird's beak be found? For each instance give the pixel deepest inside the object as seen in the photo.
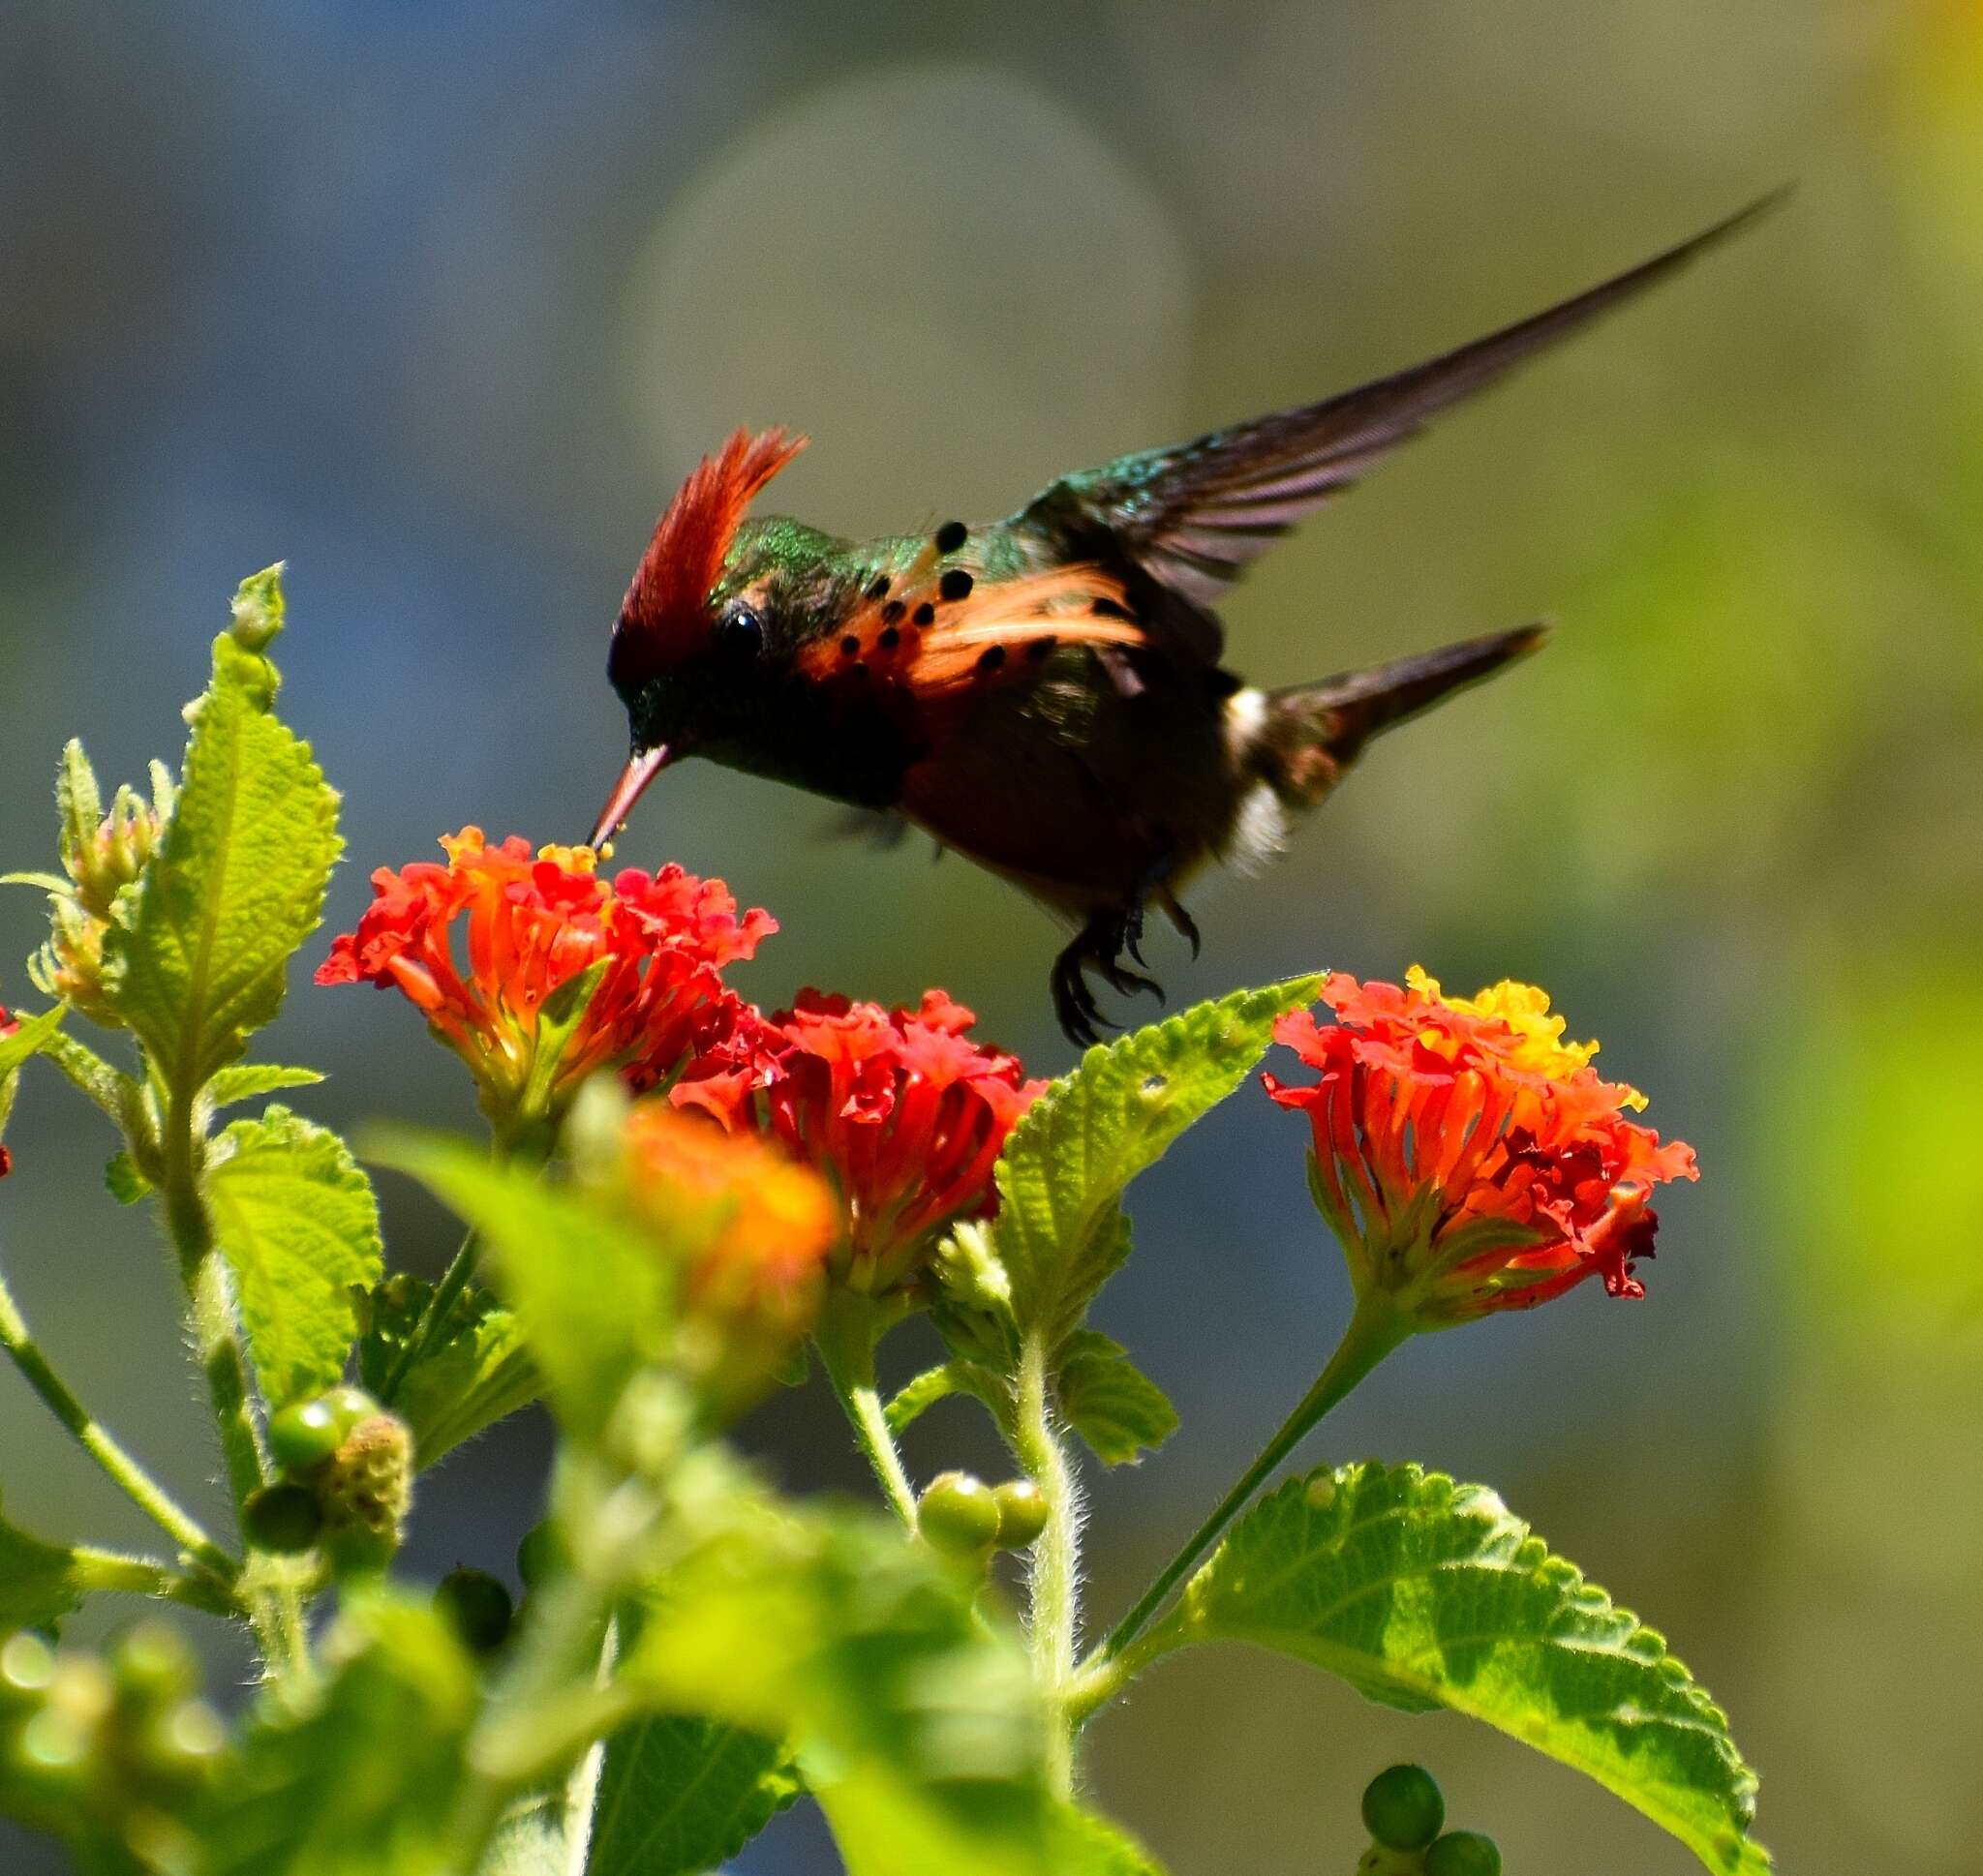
(642, 766)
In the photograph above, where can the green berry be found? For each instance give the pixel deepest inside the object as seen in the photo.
(1402, 1807)
(1463, 1853)
(27, 1664)
(1021, 1513)
(282, 1517)
(958, 1514)
(540, 1555)
(477, 1606)
(304, 1435)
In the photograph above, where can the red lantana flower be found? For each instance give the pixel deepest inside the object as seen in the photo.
(902, 1113)
(638, 963)
(1470, 1159)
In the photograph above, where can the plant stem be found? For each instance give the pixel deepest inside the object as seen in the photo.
(275, 1611)
(846, 1335)
(432, 1326)
(1375, 1329)
(130, 1477)
(91, 1569)
(1055, 1586)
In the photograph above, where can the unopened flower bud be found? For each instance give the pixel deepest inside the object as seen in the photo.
(957, 1514)
(365, 1489)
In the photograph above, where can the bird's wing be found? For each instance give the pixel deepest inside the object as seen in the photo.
(1193, 517)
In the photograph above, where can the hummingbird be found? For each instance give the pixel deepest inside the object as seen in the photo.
(1046, 694)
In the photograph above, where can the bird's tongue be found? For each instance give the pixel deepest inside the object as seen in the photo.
(642, 766)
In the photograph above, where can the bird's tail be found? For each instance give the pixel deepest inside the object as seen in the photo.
(1312, 733)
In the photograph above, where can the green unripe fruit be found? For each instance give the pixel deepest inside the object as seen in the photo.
(304, 1436)
(1402, 1807)
(27, 1664)
(1463, 1853)
(540, 1555)
(283, 1517)
(958, 1514)
(477, 1606)
(1021, 1513)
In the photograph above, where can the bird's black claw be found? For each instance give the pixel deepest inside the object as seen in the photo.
(1186, 924)
(1098, 949)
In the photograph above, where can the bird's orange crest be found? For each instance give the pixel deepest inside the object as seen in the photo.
(665, 613)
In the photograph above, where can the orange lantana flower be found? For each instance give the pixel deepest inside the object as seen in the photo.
(639, 963)
(1468, 1157)
(763, 1225)
(899, 1109)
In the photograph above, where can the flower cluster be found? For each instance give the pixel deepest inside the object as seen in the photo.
(900, 1110)
(563, 973)
(1468, 1157)
(764, 1227)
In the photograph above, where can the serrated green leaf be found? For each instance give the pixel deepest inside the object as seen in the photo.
(297, 1221)
(679, 1795)
(195, 954)
(361, 1779)
(32, 1033)
(1107, 1399)
(478, 1371)
(1421, 1593)
(915, 1398)
(113, 1091)
(591, 1292)
(249, 1080)
(37, 1580)
(918, 1728)
(1059, 1233)
(126, 1184)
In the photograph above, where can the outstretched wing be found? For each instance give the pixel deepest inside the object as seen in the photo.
(1192, 518)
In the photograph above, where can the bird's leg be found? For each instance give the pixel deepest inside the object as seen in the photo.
(1098, 946)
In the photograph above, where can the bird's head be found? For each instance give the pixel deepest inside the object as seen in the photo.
(691, 637)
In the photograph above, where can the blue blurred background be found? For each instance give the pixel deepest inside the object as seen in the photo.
(440, 302)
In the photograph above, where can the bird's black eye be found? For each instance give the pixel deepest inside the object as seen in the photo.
(740, 633)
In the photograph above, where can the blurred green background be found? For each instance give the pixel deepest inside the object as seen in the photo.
(440, 301)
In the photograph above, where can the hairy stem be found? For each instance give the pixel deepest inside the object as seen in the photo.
(431, 1327)
(275, 1611)
(130, 1477)
(1374, 1331)
(91, 1569)
(1055, 1581)
(846, 1335)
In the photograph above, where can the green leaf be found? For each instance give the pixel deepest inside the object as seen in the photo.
(1110, 1401)
(1421, 1593)
(915, 1398)
(917, 1726)
(679, 1795)
(1088, 1845)
(37, 1580)
(195, 955)
(32, 1033)
(116, 1093)
(297, 1221)
(591, 1292)
(31, 1037)
(249, 1080)
(1058, 1232)
(478, 1371)
(360, 1780)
